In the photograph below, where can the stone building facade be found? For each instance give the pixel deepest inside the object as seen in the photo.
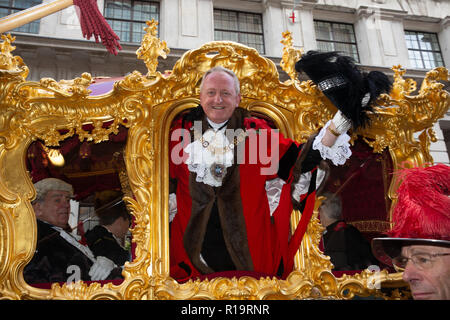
(377, 33)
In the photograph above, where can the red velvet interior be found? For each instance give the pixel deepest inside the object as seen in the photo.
(362, 183)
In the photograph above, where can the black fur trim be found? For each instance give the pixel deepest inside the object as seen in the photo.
(287, 161)
(193, 114)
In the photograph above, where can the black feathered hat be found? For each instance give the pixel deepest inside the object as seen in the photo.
(350, 90)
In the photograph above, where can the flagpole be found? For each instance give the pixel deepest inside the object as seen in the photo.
(23, 17)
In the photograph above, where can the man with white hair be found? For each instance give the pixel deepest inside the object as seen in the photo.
(59, 257)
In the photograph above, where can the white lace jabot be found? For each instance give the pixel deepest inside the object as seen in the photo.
(204, 161)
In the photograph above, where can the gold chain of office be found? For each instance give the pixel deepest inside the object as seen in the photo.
(220, 150)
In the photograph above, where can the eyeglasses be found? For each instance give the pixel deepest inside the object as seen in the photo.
(422, 261)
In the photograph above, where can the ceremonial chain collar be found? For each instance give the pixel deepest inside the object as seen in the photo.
(222, 149)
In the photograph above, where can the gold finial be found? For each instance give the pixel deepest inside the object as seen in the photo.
(151, 47)
(290, 56)
(401, 86)
(8, 62)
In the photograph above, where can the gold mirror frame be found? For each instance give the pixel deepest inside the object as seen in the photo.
(146, 105)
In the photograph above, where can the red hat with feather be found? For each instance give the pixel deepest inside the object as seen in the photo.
(422, 212)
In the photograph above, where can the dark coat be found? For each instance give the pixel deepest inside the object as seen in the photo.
(228, 230)
(347, 247)
(56, 260)
(102, 243)
(52, 258)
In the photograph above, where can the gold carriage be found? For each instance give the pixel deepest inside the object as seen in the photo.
(143, 106)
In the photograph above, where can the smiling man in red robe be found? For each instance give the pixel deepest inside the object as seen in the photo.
(234, 183)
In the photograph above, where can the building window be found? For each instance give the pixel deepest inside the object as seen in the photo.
(242, 27)
(331, 36)
(8, 7)
(423, 50)
(127, 17)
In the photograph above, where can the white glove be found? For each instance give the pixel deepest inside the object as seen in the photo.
(341, 122)
(273, 191)
(172, 206)
(101, 268)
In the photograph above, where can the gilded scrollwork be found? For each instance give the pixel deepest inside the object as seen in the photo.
(53, 111)
(401, 87)
(9, 64)
(151, 48)
(290, 57)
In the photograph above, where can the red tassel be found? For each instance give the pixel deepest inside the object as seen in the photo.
(93, 23)
(82, 233)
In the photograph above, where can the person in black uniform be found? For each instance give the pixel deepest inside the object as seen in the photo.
(108, 238)
(59, 257)
(346, 246)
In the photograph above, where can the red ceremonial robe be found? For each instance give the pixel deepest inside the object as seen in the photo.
(255, 240)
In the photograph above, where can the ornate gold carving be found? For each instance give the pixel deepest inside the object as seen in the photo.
(290, 57)
(53, 111)
(75, 89)
(10, 64)
(401, 87)
(371, 225)
(404, 114)
(151, 48)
